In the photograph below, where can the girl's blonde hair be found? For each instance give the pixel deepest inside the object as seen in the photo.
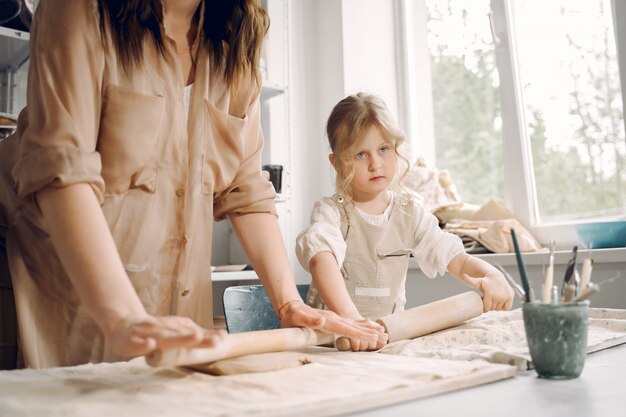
(347, 124)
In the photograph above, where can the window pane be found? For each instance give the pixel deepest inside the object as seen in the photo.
(572, 107)
(466, 98)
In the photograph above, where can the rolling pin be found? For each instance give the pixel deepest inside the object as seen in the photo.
(241, 344)
(408, 324)
(427, 318)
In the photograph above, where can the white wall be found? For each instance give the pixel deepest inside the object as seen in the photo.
(337, 48)
(369, 49)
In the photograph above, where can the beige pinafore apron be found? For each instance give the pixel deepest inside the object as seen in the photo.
(377, 259)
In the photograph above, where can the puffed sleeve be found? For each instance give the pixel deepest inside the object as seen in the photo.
(433, 247)
(322, 235)
(250, 190)
(58, 144)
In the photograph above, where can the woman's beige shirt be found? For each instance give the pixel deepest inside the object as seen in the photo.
(161, 178)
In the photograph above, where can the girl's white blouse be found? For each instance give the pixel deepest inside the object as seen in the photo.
(433, 248)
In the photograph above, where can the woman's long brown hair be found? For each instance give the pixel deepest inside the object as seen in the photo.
(233, 32)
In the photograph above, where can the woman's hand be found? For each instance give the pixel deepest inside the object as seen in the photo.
(363, 334)
(497, 293)
(141, 335)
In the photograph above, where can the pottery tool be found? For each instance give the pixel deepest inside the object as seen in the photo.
(569, 292)
(592, 288)
(427, 318)
(569, 271)
(241, 344)
(520, 266)
(589, 291)
(555, 295)
(585, 273)
(516, 287)
(549, 278)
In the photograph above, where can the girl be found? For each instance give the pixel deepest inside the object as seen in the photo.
(142, 125)
(358, 244)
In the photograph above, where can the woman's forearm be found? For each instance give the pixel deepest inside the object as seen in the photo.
(87, 251)
(260, 238)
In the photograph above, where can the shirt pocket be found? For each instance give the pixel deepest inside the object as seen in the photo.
(225, 148)
(393, 264)
(129, 131)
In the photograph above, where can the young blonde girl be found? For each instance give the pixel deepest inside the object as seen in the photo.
(358, 244)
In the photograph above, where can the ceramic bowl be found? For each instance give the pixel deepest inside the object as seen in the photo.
(603, 234)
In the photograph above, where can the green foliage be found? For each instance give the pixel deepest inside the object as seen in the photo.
(586, 179)
(466, 103)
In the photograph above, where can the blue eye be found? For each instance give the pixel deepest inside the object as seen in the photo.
(360, 155)
(383, 149)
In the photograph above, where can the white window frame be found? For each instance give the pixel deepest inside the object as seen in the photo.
(520, 192)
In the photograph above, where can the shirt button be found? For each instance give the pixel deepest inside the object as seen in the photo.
(180, 192)
(184, 293)
(183, 241)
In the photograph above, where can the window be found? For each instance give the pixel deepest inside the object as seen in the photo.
(526, 105)
(572, 107)
(465, 96)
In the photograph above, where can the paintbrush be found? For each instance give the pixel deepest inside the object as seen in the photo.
(569, 271)
(520, 266)
(549, 278)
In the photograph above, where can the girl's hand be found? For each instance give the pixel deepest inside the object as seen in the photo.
(357, 344)
(141, 335)
(497, 293)
(365, 333)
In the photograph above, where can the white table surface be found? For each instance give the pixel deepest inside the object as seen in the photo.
(600, 391)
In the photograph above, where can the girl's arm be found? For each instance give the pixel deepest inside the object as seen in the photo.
(269, 259)
(476, 273)
(331, 285)
(84, 244)
(332, 289)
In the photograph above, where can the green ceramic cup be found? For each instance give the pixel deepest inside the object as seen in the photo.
(557, 338)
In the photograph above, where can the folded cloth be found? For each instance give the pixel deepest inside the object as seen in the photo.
(495, 235)
(433, 185)
(473, 246)
(499, 337)
(491, 210)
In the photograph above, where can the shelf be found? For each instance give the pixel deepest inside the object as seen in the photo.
(13, 48)
(271, 89)
(234, 276)
(599, 256)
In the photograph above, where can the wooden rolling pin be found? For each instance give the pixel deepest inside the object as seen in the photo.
(408, 324)
(241, 344)
(427, 318)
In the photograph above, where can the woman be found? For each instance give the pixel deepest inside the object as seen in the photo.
(141, 127)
